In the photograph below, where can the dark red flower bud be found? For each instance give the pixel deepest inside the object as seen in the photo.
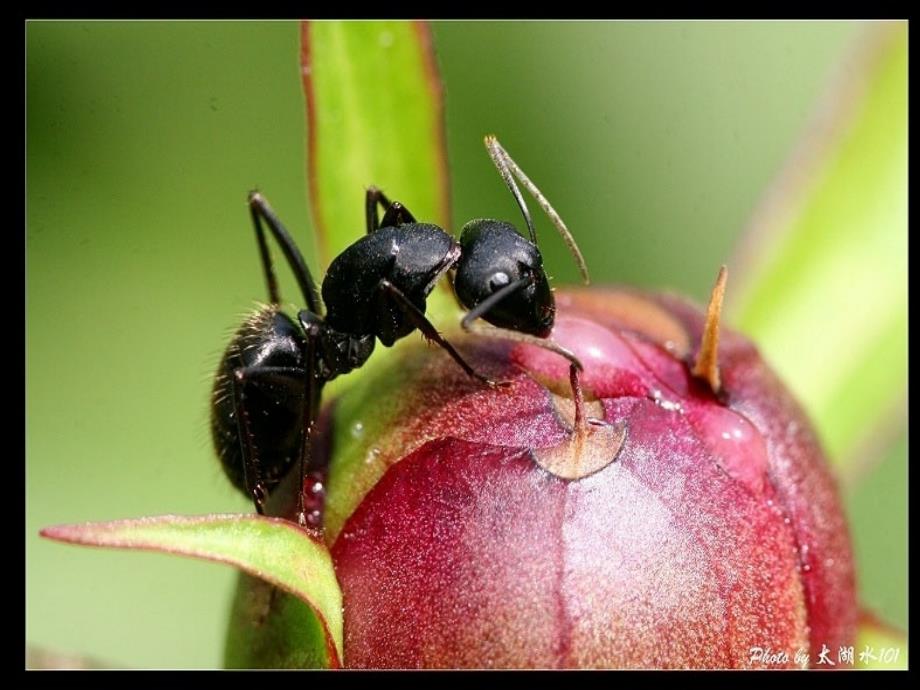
(475, 527)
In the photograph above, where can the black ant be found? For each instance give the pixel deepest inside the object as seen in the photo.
(270, 379)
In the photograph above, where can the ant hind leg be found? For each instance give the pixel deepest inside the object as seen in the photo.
(312, 325)
(246, 383)
(260, 210)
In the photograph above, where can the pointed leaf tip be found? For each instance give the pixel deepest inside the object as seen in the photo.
(275, 550)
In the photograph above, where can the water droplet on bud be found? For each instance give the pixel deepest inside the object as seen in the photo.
(734, 442)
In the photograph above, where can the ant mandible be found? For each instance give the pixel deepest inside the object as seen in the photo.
(269, 382)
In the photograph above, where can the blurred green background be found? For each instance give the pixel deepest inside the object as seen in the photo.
(653, 140)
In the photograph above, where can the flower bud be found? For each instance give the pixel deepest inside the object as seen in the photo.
(683, 522)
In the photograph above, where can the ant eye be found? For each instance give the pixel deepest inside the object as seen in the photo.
(499, 280)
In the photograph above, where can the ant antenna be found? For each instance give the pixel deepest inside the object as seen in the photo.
(508, 170)
(500, 159)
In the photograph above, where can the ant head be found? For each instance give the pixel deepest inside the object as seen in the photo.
(495, 257)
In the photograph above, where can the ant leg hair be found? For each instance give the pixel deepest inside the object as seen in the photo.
(260, 210)
(508, 167)
(394, 213)
(421, 322)
(287, 378)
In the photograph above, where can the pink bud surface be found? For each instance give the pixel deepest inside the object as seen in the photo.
(687, 530)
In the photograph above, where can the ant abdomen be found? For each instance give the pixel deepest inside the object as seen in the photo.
(270, 345)
(494, 256)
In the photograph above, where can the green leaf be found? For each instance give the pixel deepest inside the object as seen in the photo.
(820, 281)
(879, 646)
(375, 116)
(374, 110)
(274, 550)
(270, 628)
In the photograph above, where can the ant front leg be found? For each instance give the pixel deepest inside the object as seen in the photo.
(420, 321)
(394, 213)
(469, 325)
(575, 366)
(255, 388)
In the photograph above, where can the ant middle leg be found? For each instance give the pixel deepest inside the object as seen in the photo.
(420, 321)
(394, 213)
